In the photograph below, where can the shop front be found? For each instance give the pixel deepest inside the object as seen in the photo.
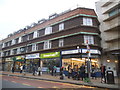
(17, 62)
(8, 64)
(75, 58)
(48, 60)
(32, 60)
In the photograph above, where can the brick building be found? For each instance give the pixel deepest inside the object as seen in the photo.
(59, 40)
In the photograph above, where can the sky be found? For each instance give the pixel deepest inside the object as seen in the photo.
(16, 14)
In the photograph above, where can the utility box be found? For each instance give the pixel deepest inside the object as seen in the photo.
(110, 77)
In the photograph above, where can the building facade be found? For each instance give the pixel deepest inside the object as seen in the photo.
(59, 40)
(109, 16)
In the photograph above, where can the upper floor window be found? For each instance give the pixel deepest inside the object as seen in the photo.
(48, 30)
(47, 44)
(13, 42)
(61, 42)
(88, 39)
(114, 12)
(61, 26)
(34, 47)
(35, 34)
(18, 50)
(87, 21)
(20, 39)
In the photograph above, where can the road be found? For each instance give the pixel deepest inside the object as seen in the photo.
(19, 82)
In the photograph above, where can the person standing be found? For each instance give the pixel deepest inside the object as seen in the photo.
(13, 69)
(33, 69)
(39, 71)
(82, 71)
(69, 71)
(55, 70)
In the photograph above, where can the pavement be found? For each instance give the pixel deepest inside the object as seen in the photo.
(48, 77)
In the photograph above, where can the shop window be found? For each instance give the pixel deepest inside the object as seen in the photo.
(88, 39)
(47, 44)
(87, 21)
(61, 26)
(61, 42)
(48, 30)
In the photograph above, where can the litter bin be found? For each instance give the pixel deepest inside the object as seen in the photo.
(110, 77)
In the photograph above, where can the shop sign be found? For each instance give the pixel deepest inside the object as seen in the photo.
(32, 56)
(93, 51)
(50, 55)
(18, 58)
(8, 59)
(71, 51)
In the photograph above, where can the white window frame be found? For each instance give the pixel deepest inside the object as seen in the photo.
(13, 41)
(48, 30)
(47, 44)
(18, 50)
(61, 26)
(35, 34)
(61, 42)
(33, 47)
(87, 21)
(88, 38)
(20, 40)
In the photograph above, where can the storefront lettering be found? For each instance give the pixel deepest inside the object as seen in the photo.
(50, 55)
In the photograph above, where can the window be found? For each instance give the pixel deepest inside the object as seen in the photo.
(13, 42)
(19, 39)
(87, 21)
(18, 50)
(47, 44)
(90, 39)
(114, 12)
(61, 42)
(61, 26)
(48, 30)
(35, 34)
(34, 47)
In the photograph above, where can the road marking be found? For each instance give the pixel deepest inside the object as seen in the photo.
(54, 87)
(26, 84)
(40, 87)
(14, 82)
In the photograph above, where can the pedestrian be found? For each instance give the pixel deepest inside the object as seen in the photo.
(55, 70)
(62, 73)
(69, 71)
(39, 71)
(13, 69)
(103, 70)
(21, 68)
(24, 70)
(52, 70)
(33, 69)
(82, 71)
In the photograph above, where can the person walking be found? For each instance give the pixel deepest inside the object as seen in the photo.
(21, 68)
(103, 70)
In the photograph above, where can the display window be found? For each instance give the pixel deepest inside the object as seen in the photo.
(76, 62)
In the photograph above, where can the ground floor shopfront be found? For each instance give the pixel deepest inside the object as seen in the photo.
(60, 58)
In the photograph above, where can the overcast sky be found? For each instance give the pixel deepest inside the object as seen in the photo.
(16, 14)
